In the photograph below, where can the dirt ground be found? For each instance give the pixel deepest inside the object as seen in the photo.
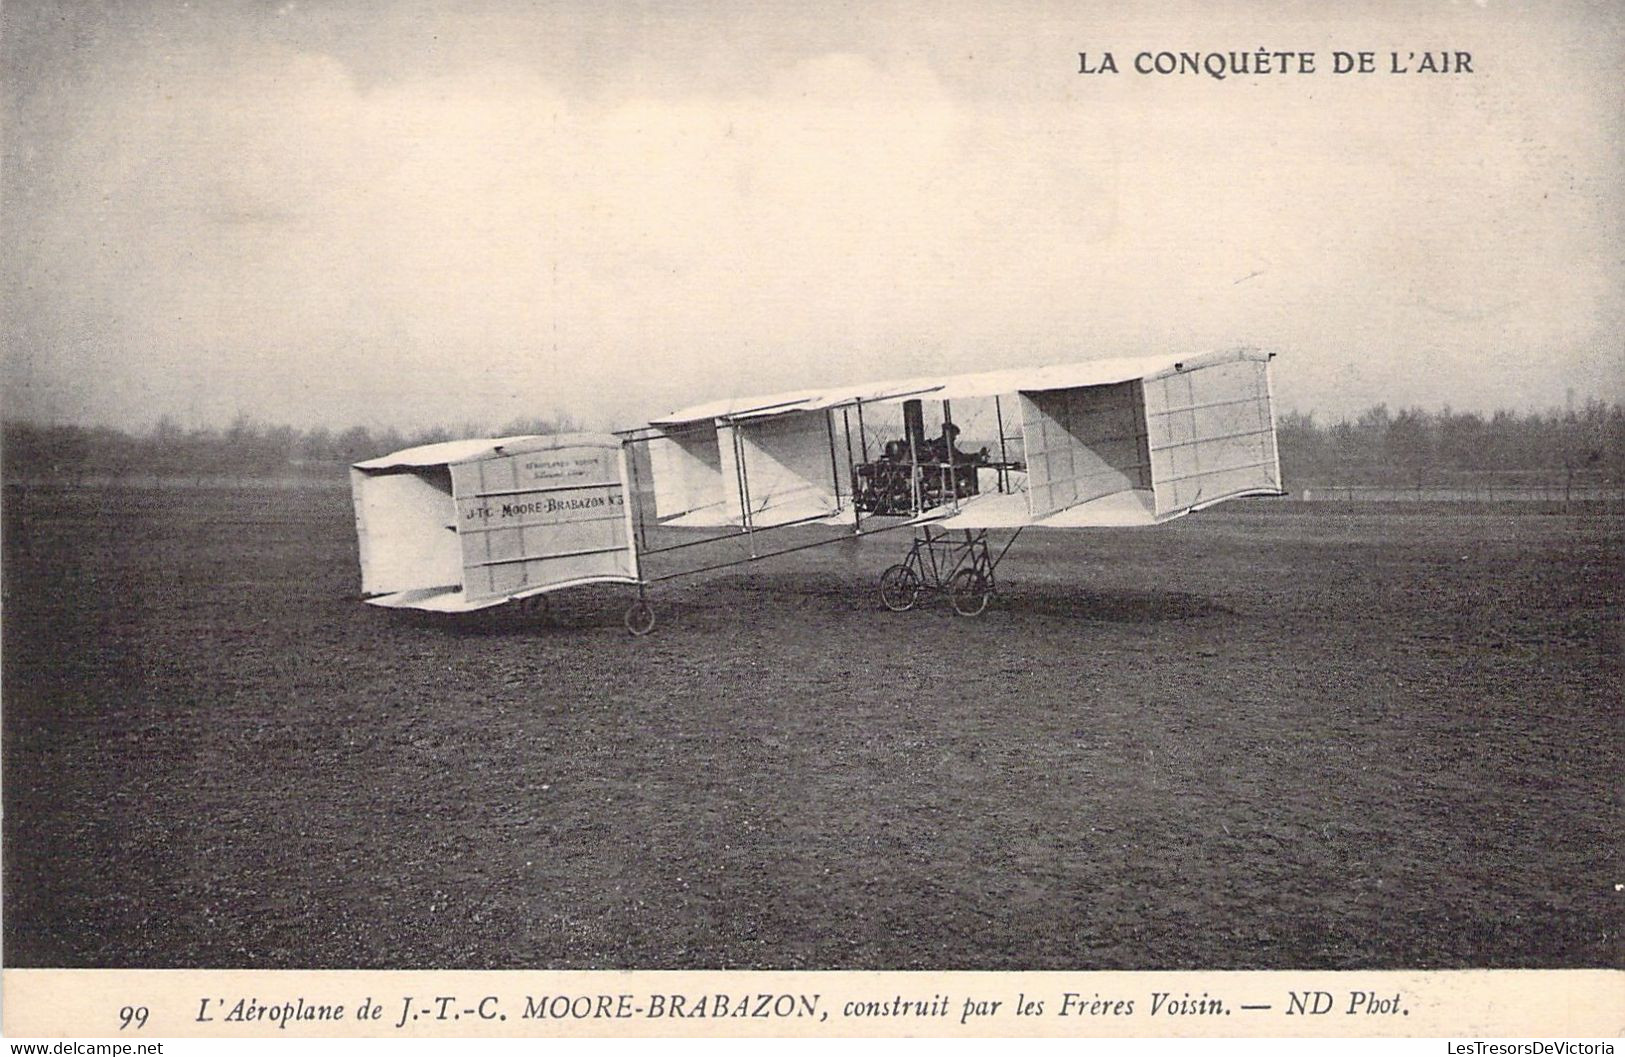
(1271, 735)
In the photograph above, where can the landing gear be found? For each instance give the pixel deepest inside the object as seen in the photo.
(640, 618)
(960, 568)
(899, 588)
(969, 591)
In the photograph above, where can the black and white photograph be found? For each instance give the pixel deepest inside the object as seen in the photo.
(1024, 488)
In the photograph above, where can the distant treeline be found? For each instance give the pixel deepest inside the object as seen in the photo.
(1434, 447)
(244, 449)
(1377, 447)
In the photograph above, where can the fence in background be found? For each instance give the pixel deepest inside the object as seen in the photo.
(1556, 486)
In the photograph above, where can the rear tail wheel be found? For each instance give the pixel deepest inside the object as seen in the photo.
(640, 618)
(899, 588)
(969, 591)
(534, 605)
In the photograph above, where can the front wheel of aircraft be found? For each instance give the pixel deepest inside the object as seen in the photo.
(899, 588)
(640, 618)
(969, 591)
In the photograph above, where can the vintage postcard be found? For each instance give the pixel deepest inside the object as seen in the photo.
(1038, 519)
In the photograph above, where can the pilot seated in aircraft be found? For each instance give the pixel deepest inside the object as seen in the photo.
(944, 450)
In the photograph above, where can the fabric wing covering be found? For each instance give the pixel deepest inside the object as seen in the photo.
(1111, 442)
(757, 470)
(1174, 436)
(469, 524)
(787, 471)
(1211, 434)
(686, 466)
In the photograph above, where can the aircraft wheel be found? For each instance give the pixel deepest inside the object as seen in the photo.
(969, 591)
(640, 618)
(899, 588)
(534, 605)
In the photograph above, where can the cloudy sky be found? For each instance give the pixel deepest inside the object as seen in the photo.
(402, 213)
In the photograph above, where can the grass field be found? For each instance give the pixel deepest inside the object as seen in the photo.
(1270, 735)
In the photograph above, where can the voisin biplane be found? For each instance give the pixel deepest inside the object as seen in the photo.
(957, 459)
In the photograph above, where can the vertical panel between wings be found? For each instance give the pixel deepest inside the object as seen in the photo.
(1082, 444)
(542, 518)
(406, 521)
(787, 472)
(1212, 435)
(686, 471)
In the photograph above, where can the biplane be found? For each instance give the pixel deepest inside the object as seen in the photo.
(1096, 444)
